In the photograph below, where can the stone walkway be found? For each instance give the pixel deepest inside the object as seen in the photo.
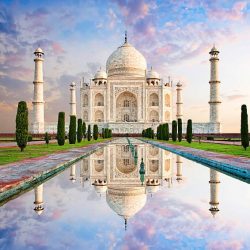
(238, 143)
(13, 144)
(238, 166)
(16, 177)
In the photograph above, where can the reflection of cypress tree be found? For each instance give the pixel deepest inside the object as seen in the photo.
(174, 130)
(179, 130)
(89, 132)
(61, 129)
(72, 129)
(22, 125)
(244, 127)
(79, 130)
(189, 133)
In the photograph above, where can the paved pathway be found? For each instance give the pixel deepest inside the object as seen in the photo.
(238, 143)
(14, 176)
(239, 166)
(13, 144)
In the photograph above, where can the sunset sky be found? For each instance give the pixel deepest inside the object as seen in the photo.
(78, 36)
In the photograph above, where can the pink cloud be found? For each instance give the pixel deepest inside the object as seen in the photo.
(234, 14)
(57, 48)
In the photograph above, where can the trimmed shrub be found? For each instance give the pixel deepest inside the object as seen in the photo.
(72, 129)
(61, 129)
(89, 133)
(174, 130)
(189, 133)
(179, 130)
(30, 138)
(46, 138)
(79, 130)
(22, 125)
(95, 132)
(84, 129)
(244, 127)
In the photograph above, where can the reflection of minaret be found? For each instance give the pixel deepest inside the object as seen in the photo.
(179, 168)
(73, 173)
(39, 199)
(214, 190)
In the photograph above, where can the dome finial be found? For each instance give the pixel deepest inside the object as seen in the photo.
(126, 37)
(126, 223)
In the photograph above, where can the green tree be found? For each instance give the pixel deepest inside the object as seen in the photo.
(167, 132)
(47, 138)
(79, 130)
(152, 133)
(174, 130)
(89, 133)
(22, 125)
(84, 129)
(189, 133)
(179, 130)
(72, 129)
(95, 132)
(158, 133)
(244, 127)
(103, 133)
(61, 129)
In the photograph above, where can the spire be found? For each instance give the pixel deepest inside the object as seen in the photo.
(126, 37)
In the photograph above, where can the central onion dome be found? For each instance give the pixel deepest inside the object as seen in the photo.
(126, 201)
(126, 60)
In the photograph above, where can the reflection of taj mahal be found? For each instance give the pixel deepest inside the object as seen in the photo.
(114, 173)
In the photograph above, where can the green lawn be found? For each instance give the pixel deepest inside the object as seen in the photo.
(218, 148)
(8, 155)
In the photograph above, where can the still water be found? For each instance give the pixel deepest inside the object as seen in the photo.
(181, 205)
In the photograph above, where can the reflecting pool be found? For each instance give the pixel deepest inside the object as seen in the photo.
(106, 201)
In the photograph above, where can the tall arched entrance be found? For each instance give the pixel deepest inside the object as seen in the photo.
(126, 107)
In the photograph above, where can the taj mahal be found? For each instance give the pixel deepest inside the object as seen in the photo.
(127, 97)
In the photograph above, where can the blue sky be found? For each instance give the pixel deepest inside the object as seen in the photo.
(78, 36)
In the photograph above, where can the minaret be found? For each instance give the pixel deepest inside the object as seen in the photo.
(38, 102)
(72, 99)
(179, 168)
(214, 87)
(39, 199)
(73, 173)
(214, 191)
(179, 102)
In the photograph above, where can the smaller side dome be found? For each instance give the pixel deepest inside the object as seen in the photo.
(152, 74)
(100, 75)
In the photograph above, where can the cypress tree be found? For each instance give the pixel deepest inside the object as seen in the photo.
(95, 132)
(174, 130)
(89, 133)
(47, 138)
(79, 130)
(84, 129)
(158, 132)
(167, 132)
(61, 129)
(164, 131)
(179, 130)
(152, 133)
(244, 127)
(189, 133)
(111, 135)
(22, 125)
(103, 133)
(106, 133)
(72, 129)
